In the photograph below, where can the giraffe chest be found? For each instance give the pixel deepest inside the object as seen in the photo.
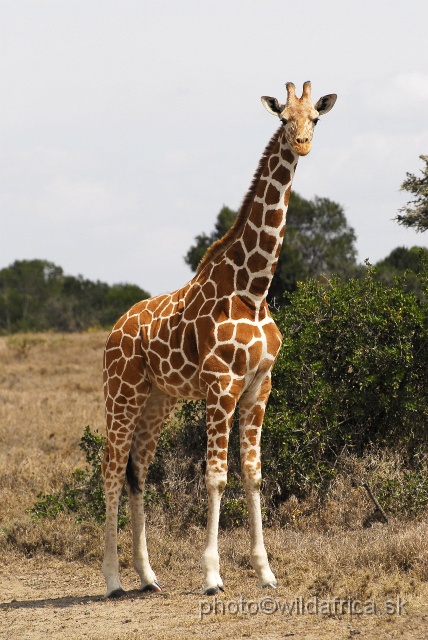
(185, 357)
(241, 351)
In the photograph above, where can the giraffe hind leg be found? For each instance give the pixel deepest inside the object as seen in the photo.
(159, 405)
(127, 389)
(131, 477)
(134, 488)
(114, 475)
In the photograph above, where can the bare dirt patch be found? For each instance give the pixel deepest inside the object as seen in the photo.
(50, 598)
(50, 580)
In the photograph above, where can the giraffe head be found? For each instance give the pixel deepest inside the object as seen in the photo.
(299, 115)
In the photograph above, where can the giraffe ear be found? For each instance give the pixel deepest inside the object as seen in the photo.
(326, 103)
(272, 105)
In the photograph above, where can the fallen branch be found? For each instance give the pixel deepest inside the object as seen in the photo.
(375, 501)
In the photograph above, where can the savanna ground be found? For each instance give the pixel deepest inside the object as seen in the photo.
(51, 585)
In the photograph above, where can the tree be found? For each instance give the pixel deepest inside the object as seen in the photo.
(415, 212)
(35, 295)
(225, 220)
(23, 287)
(405, 264)
(318, 241)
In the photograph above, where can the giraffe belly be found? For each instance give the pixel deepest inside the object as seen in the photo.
(175, 376)
(177, 387)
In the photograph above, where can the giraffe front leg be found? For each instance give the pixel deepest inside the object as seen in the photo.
(220, 408)
(252, 408)
(140, 554)
(215, 482)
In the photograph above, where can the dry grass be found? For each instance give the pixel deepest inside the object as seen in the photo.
(50, 389)
(48, 393)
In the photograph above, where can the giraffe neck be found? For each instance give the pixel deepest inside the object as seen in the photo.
(256, 249)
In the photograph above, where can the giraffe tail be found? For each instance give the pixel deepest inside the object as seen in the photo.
(131, 477)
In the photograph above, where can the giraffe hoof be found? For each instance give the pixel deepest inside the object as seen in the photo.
(270, 585)
(213, 591)
(117, 593)
(154, 587)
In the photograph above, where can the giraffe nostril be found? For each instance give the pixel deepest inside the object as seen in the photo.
(302, 140)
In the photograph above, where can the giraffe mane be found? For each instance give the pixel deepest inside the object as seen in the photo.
(220, 246)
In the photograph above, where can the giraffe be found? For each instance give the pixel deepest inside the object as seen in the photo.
(213, 339)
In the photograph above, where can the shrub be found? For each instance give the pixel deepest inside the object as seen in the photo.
(83, 495)
(351, 375)
(406, 494)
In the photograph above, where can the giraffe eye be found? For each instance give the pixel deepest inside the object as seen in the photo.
(284, 121)
(314, 121)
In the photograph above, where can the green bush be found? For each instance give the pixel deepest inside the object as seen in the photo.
(406, 495)
(83, 495)
(351, 375)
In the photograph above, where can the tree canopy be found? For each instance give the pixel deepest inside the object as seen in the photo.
(318, 241)
(405, 264)
(36, 295)
(415, 212)
(225, 220)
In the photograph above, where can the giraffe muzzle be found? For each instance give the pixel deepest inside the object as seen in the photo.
(302, 146)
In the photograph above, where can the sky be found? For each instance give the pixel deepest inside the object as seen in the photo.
(125, 125)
